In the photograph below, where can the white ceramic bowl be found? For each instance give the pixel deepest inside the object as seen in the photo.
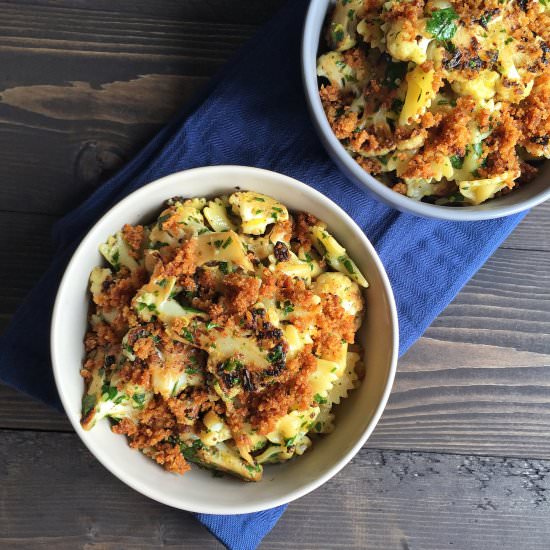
(526, 197)
(198, 490)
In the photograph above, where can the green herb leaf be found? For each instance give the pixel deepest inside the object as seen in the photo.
(320, 399)
(191, 309)
(139, 399)
(157, 245)
(231, 364)
(337, 33)
(395, 74)
(224, 267)
(188, 335)
(111, 391)
(456, 161)
(190, 451)
(442, 23)
(347, 264)
(88, 403)
(276, 355)
(287, 306)
(290, 441)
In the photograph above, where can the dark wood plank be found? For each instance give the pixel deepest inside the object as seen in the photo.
(20, 412)
(55, 494)
(533, 233)
(85, 86)
(469, 398)
(233, 11)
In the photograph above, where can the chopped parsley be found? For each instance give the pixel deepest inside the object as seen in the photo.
(224, 268)
(259, 199)
(109, 390)
(290, 441)
(164, 218)
(188, 335)
(210, 325)
(337, 33)
(456, 161)
(190, 451)
(347, 264)
(231, 364)
(162, 283)
(276, 355)
(442, 24)
(88, 403)
(191, 309)
(395, 73)
(287, 306)
(227, 242)
(157, 245)
(142, 305)
(116, 260)
(139, 399)
(320, 399)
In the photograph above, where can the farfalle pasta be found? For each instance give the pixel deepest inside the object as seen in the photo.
(444, 101)
(222, 334)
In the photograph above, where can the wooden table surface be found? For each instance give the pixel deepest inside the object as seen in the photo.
(461, 457)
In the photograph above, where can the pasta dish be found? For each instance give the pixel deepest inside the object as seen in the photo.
(222, 334)
(443, 101)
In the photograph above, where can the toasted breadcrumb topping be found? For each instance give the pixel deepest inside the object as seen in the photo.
(194, 354)
(444, 102)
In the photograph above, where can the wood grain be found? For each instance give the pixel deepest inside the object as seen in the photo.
(84, 86)
(55, 494)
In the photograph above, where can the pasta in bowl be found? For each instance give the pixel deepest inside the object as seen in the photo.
(198, 490)
(444, 103)
(222, 333)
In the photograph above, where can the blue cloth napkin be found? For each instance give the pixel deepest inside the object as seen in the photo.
(255, 114)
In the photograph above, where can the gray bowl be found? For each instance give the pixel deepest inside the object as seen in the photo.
(529, 195)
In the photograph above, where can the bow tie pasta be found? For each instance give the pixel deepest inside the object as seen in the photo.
(447, 102)
(222, 334)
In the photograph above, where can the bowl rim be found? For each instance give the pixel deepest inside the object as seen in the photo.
(353, 171)
(135, 198)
